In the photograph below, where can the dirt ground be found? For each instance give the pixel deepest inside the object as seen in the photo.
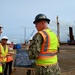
(66, 59)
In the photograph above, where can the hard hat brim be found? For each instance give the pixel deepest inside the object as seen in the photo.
(4, 38)
(48, 20)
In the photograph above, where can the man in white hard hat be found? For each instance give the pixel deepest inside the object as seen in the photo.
(3, 53)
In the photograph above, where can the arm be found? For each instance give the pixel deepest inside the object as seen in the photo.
(35, 46)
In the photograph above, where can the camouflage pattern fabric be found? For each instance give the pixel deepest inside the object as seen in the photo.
(35, 46)
(47, 70)
(34, 50)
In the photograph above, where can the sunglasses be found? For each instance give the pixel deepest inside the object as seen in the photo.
(4, 39)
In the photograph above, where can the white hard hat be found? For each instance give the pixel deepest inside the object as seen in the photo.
(30, 38)
(8, 42)
(1, 26)
(4, 37)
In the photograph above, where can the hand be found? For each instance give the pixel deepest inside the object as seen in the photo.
(10, 54)
(2, 57)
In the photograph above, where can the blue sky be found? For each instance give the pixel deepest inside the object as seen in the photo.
(16, 16)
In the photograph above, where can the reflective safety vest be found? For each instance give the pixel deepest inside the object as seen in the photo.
(0, 67)
(47, 55)
(3, 53)
(9, 58)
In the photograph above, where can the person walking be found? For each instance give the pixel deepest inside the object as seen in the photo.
(43, 48)
(3, 53)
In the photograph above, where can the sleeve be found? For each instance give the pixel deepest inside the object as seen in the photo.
(35, 46)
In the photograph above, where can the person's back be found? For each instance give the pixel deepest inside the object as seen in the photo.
(48, 48)
(44, 48)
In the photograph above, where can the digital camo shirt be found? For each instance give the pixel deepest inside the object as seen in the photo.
(35, 46)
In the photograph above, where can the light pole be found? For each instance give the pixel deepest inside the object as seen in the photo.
(25, 34)
(73, 28)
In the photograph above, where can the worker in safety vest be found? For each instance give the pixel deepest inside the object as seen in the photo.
(9, 60)
(44, 48)
(0, 68)
(3, 53)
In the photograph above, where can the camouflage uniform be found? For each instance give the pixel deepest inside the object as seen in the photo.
(34, 49)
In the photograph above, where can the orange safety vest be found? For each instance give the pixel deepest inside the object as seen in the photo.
(47, 55)
(9, 58)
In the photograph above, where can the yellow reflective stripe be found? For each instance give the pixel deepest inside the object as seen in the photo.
(49, 61)
(0, 68)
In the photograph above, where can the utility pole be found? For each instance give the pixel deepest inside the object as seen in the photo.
(58, 29)
(73, 26)
(24, 34)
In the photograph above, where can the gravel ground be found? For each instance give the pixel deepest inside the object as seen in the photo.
(66, 58)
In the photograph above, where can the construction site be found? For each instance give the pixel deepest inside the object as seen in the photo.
(66, 57)
(21, 20)
(66, 60)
